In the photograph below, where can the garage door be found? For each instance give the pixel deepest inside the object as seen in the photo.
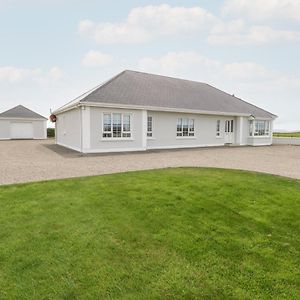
(21, 130)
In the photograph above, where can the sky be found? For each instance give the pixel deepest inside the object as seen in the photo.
(52, 51)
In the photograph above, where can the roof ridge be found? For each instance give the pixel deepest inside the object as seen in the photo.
(23, 107)
(202, 83)
(81, 95)
(89, 92)
(165, 76)
(96, 89)
(11, 109)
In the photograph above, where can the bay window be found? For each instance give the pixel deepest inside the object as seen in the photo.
(259, 128)
(116, 125)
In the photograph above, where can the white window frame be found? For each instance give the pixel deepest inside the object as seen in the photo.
(149, 132)
(191, 128)
(123, 132)
(255, 131)
(229, 126)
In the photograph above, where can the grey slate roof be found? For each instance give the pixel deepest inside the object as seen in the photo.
(143, 89)
(21, 112)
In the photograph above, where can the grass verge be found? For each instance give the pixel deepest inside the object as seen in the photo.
(170, 234)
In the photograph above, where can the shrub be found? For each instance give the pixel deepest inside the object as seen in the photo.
(50, 132)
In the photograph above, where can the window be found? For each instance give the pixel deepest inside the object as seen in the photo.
(259, 128)
(191, 127)
(126, 126)
(185, 127)
(107, 125)
(116, 125)
(229, 126)
(218, 127)
(149, 126)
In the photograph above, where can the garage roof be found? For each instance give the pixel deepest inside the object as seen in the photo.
(21, 112)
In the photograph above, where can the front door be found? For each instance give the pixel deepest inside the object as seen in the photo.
(229, 131)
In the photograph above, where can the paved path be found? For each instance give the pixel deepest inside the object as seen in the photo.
(26, 161)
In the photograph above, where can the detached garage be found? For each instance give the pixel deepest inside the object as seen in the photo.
(22, 123)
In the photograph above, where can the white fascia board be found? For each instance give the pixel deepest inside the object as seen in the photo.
(77, 100)
(165, 109)
(154, 108)
(265, 119)
(60, 111)
(23, 119)
(65, 107)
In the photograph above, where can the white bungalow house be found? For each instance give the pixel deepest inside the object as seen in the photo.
(138, 111)
(22, 123)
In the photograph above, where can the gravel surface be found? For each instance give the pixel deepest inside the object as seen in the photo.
(27, 161)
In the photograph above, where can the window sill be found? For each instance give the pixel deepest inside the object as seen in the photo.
(116, 139)
(150, 138)
(186, 138)
(259, 137)
(219, 137)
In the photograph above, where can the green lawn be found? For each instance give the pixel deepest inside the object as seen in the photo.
(287, 134)
(166, 234)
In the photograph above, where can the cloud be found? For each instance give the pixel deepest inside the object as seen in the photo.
(253, 82)
(14, 74)
(194, 65)
(145, 24)
(263, 9)
(96, 59)
(55, 73)
(236, 33)
(179, 64)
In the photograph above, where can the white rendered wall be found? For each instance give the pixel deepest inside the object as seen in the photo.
(68, 129)
(39, 128)
(4, 129)
(86, 128)
(100, 144)
(261, 140)
(242, 130)
(81, 129)
(165, 130)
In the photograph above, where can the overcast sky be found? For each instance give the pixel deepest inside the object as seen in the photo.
(51, 51)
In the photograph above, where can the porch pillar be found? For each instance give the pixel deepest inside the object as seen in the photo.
(240, 131)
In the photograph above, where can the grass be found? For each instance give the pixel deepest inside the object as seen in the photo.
(183, 233)
(287, 134)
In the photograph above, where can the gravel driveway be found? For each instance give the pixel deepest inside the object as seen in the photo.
(25, 161)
